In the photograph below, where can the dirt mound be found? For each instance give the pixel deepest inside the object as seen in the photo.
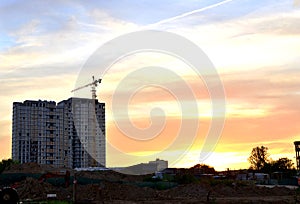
(114, 191)
(28, 168)
(109, 176)
(186, 191)
(24, 168)
(281, 191)
(249, 190)
(32, 189)
(31, 168)
(127, 192)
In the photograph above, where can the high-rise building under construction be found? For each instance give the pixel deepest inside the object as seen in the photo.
(70, 133)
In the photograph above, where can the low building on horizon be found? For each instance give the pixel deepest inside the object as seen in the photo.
(144, 168)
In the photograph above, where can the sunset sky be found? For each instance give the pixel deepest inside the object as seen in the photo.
(254, 46)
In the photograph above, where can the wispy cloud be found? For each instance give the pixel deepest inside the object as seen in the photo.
(253, 44)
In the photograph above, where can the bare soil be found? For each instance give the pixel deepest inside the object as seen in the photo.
(119, 188)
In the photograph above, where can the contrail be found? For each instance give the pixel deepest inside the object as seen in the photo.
(189, 13)
(296, 3)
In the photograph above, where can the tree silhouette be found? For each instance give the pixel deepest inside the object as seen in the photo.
(204, 169)
(283, 164)
(259, 157)
(6, 163)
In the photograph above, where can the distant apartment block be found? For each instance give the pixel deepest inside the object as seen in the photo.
(70, 133)
(160, 164)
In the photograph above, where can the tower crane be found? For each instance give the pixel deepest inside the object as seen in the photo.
(93, 87)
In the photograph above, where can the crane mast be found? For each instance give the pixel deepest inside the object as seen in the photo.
(93, 85)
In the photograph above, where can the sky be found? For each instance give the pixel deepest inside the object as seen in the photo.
(253, 45)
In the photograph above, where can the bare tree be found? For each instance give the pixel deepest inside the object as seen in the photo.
(258, 158)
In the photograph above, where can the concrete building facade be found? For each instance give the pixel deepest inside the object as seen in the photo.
(68, 134)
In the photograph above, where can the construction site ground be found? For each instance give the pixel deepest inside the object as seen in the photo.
(113, 187)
